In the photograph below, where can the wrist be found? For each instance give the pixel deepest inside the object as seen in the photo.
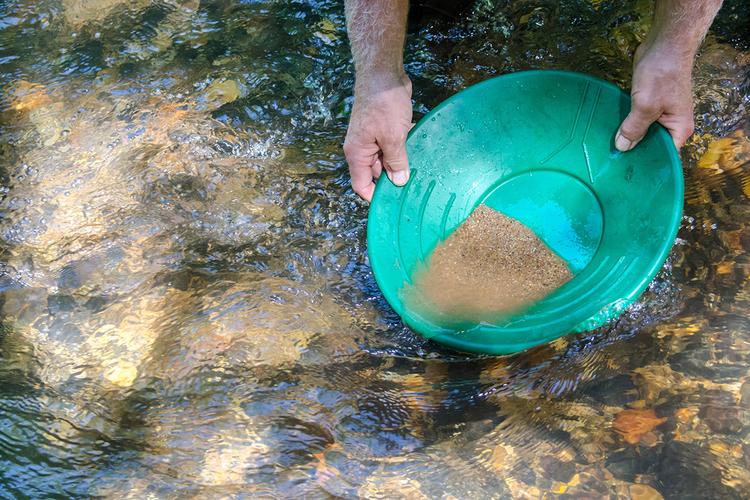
(679, 27)
(676, 50)
(372, 81)
(668, 55)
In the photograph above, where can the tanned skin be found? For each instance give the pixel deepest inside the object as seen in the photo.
(381, 116)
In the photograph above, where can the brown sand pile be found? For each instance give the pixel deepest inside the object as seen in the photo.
(490, 266)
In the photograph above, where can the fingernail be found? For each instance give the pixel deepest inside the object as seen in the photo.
(623, 143)
(400, 177)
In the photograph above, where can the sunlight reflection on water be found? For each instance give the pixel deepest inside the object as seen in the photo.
(187, 305)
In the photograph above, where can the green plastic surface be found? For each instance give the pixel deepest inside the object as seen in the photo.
(538, 147)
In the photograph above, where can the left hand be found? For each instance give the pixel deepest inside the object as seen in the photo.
(662, 92)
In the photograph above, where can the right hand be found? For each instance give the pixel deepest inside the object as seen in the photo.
(662, 92)
(376, 138)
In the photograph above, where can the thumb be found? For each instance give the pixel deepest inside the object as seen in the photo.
(636, 124)
(396, 163)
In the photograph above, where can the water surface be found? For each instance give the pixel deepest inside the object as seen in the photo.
(187, 306)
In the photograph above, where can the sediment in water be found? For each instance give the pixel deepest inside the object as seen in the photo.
(492, 265)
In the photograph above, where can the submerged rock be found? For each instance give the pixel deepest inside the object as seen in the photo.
(223, 92)
(78, 12)
(557, 469)
(653, 380)
(643, 492)
(634, 424)
(721, 412)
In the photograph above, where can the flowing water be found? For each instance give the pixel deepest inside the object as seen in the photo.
(187, 306)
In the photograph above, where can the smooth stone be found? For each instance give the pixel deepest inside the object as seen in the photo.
(720, 412)
(643, 492)
(557, 469)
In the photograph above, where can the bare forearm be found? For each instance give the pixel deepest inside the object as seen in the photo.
(662, 74)
(381, 114)
(377, 29)
(680, 25)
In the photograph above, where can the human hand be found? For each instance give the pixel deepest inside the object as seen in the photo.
(376, 138)
(662, 91)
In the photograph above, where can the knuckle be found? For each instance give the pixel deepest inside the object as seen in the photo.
(396, 162)
(394, 138)
(630, 130)
(645, 103)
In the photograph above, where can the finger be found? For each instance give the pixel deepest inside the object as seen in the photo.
(634, 127)
(365, 192)
(680, 129)
(396, 162)
(362, 182)
(360, 171)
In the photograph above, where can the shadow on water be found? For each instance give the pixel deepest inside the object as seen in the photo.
(187, 307)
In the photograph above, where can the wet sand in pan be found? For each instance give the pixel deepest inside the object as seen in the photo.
(490, 266)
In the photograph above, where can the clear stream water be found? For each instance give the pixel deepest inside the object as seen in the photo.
(187, 306)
